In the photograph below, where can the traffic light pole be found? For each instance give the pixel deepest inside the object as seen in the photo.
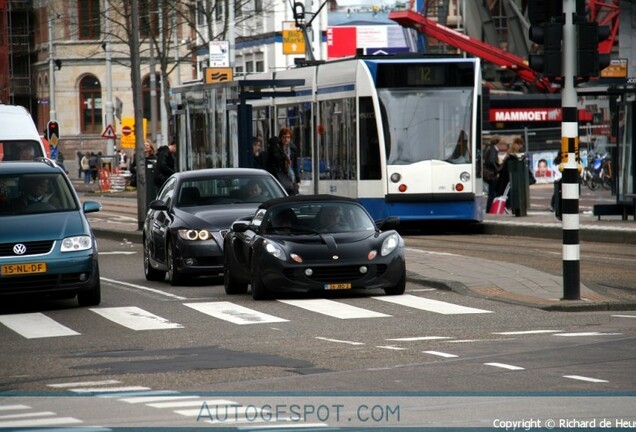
(570, 158)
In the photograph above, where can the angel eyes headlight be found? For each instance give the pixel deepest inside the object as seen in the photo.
(389, 244)
(192, 234)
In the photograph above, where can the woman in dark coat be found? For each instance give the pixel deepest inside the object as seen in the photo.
(282, 161)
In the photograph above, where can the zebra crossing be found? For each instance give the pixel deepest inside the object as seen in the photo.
(38, 325)
(21, 416)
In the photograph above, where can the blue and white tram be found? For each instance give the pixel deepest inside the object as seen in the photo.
(400, 135)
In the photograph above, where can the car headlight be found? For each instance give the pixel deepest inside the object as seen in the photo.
(193, 234)
(275, 250)
(78, 243)
(389, 244)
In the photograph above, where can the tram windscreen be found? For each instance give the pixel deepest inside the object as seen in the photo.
(427, 124)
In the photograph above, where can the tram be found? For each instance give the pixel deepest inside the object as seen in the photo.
(400, 135)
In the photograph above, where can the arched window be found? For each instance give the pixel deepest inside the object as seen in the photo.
(90, 105)
(145, 87)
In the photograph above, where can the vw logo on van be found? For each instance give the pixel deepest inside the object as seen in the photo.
(19, 249)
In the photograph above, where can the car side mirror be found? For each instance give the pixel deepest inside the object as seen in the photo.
(392, 222)
(158, 205)
(240, 227)
(91, 206)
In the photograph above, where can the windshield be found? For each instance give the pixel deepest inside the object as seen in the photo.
(427, 124)
(20, 150)
(317, 218)
(35, 193)
(228, 190)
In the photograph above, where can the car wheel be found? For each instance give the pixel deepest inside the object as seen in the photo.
(92, 296)
(232, 286)
(174, 276)
(151, 273)
(259, 291)
(399, 288)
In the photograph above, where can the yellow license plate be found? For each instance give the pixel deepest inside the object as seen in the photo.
(338, 286)
(21, 269)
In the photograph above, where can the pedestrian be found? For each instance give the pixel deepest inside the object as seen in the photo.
(93, 163)
(80, 170)
(85, 167)
(149, 154)
(513, 154)
(491, 170)
(122, 160)
(282, 161)
(257, 152)
(166, 163)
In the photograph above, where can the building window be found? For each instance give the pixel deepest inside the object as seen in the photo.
(260, 66)
(89, 20)
(249, 67)
(148, 18)
(258, 5)
(90, 105)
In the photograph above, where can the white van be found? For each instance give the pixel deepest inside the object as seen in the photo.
(19, 134)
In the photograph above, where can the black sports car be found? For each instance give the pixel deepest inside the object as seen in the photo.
(184, 228)
(313, 242)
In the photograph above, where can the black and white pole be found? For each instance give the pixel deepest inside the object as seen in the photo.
(570, 159)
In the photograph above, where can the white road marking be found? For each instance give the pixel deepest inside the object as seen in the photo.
(440, 354)
(38, 422)
(582, 378)
(118, 253)
(420, 338)
(334, 309)
(13, 407)
(624, 316)
(390, 347)
(505, 366)
(430, 305)
(36, 325)
(339, 341)
(234, 313)
(85, 383)
(430, 252)
(135, 318)
(586, 334)
(153, 399)
(527, 332)
(192, 403)
(110, 389)
(143, 288)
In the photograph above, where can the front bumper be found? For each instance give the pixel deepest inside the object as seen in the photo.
(199, 258)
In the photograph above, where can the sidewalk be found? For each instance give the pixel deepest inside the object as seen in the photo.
(507, 282)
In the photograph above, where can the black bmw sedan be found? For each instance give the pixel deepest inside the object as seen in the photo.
(184, 227)
(313, 243)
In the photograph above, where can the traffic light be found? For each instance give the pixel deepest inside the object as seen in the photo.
(53, 132)
(546, 29)
(590, 62)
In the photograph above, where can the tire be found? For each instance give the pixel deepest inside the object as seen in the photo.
(151, 273)
(174, 276)
(93, 296)
(259, 291)
(399, 288)
(232, 286)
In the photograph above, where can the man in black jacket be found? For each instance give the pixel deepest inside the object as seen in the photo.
(165, 163)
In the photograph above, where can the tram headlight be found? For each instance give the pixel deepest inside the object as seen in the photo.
(395, 177)
(465, 176)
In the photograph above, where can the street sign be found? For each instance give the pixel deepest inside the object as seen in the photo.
(219, 52)
(109, 132)
(126, 130)
(215, 75)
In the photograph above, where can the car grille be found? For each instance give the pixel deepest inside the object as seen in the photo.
(32, 248)
(338, 274)
(38, 283)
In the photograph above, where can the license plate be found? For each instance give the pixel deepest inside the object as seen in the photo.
(338, 286)
(21, 269)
